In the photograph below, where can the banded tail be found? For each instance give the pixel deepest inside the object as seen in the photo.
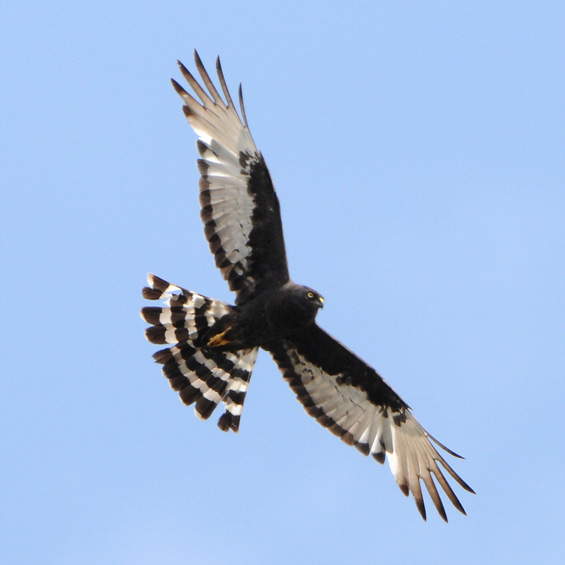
(200, 374)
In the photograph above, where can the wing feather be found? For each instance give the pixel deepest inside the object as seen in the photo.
(354, 402)
(240, 209)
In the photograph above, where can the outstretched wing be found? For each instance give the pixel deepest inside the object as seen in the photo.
(240, 208)
(352, 400)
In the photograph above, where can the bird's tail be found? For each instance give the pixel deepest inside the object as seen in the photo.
(201, 375)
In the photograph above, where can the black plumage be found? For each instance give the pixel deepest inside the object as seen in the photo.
(213, 345)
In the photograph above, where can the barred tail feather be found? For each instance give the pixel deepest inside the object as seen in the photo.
(188, 317)
(200, 374)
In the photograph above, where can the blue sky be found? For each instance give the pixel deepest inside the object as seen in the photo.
(417, 150)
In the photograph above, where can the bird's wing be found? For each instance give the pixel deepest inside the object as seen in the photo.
(353, 401)
(240, 208)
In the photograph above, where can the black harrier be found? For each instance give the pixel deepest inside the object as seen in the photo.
(213, 345)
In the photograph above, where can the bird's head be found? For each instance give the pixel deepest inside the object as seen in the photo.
(293, 307)
(313, 297)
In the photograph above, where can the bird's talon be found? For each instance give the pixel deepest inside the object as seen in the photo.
(218, 340)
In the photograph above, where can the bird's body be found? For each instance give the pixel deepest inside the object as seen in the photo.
(214, 345)
(282, 311)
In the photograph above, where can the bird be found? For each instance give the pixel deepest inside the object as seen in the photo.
(212, 346)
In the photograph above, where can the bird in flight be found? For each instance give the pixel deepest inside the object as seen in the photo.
(212, 346)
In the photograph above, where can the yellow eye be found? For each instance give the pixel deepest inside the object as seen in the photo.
(310, 295)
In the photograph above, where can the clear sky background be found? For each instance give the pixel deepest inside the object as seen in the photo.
(418, 153)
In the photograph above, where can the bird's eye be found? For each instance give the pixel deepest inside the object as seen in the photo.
(310, 295)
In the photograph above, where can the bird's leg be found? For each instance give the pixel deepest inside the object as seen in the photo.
(219, 339)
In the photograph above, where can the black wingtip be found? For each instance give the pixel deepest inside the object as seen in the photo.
(467, 488)
(444, 447)
(198, 60)
(422, 510)
(241, 105)
(180, 90)
(442, 513)
(183, 68)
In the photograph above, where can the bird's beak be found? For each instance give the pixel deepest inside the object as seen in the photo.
(321, 301)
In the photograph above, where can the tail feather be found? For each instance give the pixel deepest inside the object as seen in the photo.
(200, 374)
(188, 317)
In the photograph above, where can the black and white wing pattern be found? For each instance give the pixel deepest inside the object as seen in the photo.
(353, 401)
(240, 208)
